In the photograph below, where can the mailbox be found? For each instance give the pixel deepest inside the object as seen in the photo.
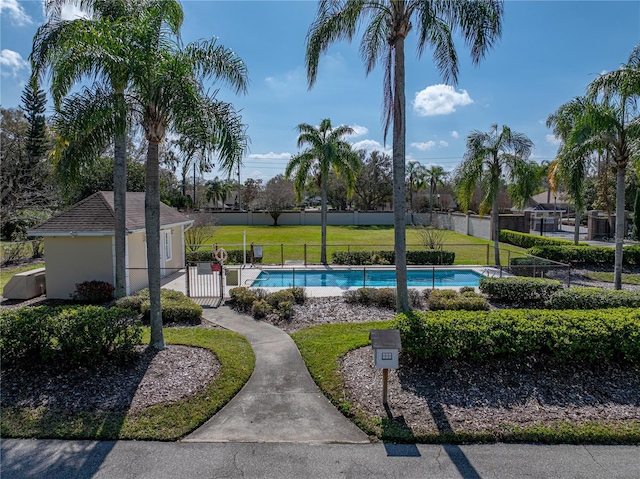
(386, 347)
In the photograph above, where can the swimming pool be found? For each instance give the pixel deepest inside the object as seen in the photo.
(358, 278)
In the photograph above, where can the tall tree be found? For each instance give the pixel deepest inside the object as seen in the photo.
(217, 191)
(389, 23)
(489, 156)
(613, 123)
(166, 87)
(34, 102)
(71, 51)
(416, 179)
(374, 185)
(277, 196)
(436, 176)
(326, 150)
(572, 161)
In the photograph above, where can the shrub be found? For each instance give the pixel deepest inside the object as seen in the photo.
(415, 299)
(234, 256)
(242, 298)
(449, 299)
(519, 290)
(527, 240)
(467, 289)
(69, 336)
(419, 257)
(299, 295)
(593, 298)
(176, 307)
(260, 309)
(364, 296)
(599, 335)
(90, 335)
(94, 291)
(591, 255)
(274, 299)
(26, 334)
(385, 298)
(285, 309)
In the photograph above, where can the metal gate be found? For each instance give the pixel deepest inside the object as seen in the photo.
(205, 282)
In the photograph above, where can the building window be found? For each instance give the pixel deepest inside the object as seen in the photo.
(387, 356)
(167, 245)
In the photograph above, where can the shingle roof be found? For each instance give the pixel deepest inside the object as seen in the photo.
(95, 214)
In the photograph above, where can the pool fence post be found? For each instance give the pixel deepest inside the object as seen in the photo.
(349, 255)
(433, 277)
(282, 254)
(487, 254)
(364, 276)
(305, 254)
(293, 277)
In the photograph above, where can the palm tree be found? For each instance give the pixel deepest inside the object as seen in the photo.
(166, 88)
(67, 49)
(327, 150)
(572, 161)
(417, 178)
(614, 125)
(436, 176)
(489, 156)
(389, 23)
(218, 190)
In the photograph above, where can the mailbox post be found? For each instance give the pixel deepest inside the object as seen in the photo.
(386, 348)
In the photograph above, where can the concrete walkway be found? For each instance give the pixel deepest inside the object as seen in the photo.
(280, 402)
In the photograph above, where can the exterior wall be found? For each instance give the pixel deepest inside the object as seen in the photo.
(309, 218)
(177, 246)
(137, 278)
(74, 259)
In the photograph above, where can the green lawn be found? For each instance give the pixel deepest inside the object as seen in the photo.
(164, 422)
(287, 242)
(7, 272)
(322, 348)
(608, 277)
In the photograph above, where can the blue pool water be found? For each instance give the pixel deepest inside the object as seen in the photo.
(368, 278)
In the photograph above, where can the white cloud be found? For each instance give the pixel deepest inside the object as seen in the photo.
(269, 156)
(604, 72)
(12, 62)
(285, 82)
(72, 12)
(553, 139)
(359, 130)
(439, 100)
(371, 145)
(455, 134)
(424, 146)
(15, 11)
(443, 144)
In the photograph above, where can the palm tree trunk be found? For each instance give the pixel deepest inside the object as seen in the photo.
(576, 229)
(620, 224)
(152, 225)
(120, 198)
(323, 219)
(120, 214)
(495, 217)
(399, 133)
(431, 203)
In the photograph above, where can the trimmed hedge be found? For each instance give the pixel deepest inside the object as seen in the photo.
(582, 255)
(600, 335)
(68, 335)
(234, 256)
(260, 303)
(449, 299)
(381, 297)
(414, 257)
(528, 240)
(519, 290)
(176, 307)
(579, 297)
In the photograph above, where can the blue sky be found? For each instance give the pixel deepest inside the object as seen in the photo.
(549, 52)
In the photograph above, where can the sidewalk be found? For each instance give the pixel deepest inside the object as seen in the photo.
(280, 402)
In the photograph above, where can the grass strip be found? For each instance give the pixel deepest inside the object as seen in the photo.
(322, 348)
(162, 422)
